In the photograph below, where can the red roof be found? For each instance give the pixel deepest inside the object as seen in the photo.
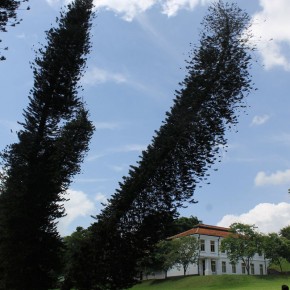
(207, 230)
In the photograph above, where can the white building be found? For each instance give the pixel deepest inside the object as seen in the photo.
(211, 260)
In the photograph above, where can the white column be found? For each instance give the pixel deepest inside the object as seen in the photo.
(207, 267)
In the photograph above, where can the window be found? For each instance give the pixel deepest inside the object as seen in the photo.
(213, 266)
(261, 269)
(234, 268)
(224, 267)
(243, 268)
(202, 245)
(252, 269)
(212, 246)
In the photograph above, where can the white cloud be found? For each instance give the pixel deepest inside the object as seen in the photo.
(129, 9)
(277, 178)
(98, 76)
(267, 217)
(171, 7)
(78, 205)
(271, 30)
(100, 197)
(260, 120)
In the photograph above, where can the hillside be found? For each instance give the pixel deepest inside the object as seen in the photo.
(235, 282)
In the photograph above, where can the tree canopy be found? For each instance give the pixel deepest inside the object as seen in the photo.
(242, 244)
(276, 248)
(187, 251)
(38, 169)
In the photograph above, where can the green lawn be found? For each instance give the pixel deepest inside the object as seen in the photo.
(223, 282)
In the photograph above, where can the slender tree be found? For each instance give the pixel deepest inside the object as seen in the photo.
(184, 148)
(8, 17)
(187, 252)
(38, 168)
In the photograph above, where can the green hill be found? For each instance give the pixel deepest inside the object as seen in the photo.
(222, 282)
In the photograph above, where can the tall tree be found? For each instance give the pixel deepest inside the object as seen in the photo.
(38, 169)
(242, 244)
(8, 16)
(186, 145)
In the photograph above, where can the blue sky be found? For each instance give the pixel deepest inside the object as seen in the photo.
(137, 60)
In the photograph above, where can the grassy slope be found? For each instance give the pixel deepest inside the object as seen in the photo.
(223, 282)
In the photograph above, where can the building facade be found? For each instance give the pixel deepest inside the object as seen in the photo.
(211, 260)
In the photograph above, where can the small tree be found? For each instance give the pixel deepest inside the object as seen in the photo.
(242, 244)
(165, 255)
(187, 251)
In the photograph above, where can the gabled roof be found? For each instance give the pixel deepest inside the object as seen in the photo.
(202, 229)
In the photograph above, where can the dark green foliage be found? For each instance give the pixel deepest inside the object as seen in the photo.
(39, 168)
(8, 16)
(183, 224)
(276, 249)
(285, 232)
(73, 259)
(188, 143)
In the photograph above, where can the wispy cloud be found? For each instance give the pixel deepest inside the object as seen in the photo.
(98, 76)
(272, 34)
(78, 205)
(129, 9)
(283, 138)
(100, 197)
(122, 149)
(260, 120)
(92, 180)
(277, 217)
(106, 125)
(119, 168)
(129, 148)
(277, 178)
